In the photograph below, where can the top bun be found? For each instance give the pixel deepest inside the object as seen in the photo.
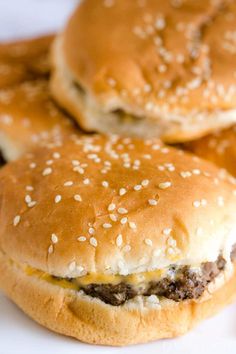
(117, 206)
(147, 67)
(29, 118)
(24, 60)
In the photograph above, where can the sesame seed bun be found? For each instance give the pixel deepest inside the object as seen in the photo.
(29, 117)
(151, 191)
(24, 60)
(148, 68)
(76, 315)
(219, 147)
(112, 206)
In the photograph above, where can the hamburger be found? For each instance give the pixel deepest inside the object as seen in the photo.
(30, 118)
(148, 68)
(28, 115)
(115, 240)
(24, 60)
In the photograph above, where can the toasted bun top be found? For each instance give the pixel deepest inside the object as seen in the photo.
(110, 205)
(24, 60)
(219, 148)
(29, 117)
(148, 56)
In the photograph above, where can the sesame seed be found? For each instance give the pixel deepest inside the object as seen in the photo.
(113, 217)
(50, 249)
(78, 198)
(56, 155)
(164, 185)
(79, 169)
(196, 203)
(122, 211)
(132, 225)
(91, 231)
(119, 240)
(106, 225)
(81, 238)
(105, 184)
(49, 162)
(32, 165)
(170, 251)
(137, 187)
(93, 241)
(72, 266)
(185, 174)
(196, 171)
(171, 242)
(220, 201)
(152, 202)
(111, 207)
(86, 181)
(16, 220)
(68, 183)
(122, 191)
(58, 198)
(145, 183)
(148, 241)
(47, 171)
(32, 204)
(80, 269)
(54, 238)
(160, 23)
(124, 220)
(29, 188)
(28, 199)
(167, 231)
(75, 162)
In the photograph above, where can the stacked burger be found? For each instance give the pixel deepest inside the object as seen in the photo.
(109, 233)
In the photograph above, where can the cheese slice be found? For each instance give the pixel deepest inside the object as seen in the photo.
(96, 278)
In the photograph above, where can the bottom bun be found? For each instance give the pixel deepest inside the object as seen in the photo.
(73, 314)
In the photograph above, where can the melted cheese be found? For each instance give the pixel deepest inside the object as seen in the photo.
(94, 278)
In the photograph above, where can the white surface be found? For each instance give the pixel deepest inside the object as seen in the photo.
(20, 18)
(19, 334)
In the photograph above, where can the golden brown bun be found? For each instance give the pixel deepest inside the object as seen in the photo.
(24, 60)
(171, 67)
(175, 208)
(29, 117)
(74, 314)
(219, 148)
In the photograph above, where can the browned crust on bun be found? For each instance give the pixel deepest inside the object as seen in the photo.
(24, 60)
(88, 320)
(169, 206)
(170, 69)
(29, 118)
(219, 147)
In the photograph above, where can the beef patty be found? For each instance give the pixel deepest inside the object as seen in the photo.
(180, 283)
